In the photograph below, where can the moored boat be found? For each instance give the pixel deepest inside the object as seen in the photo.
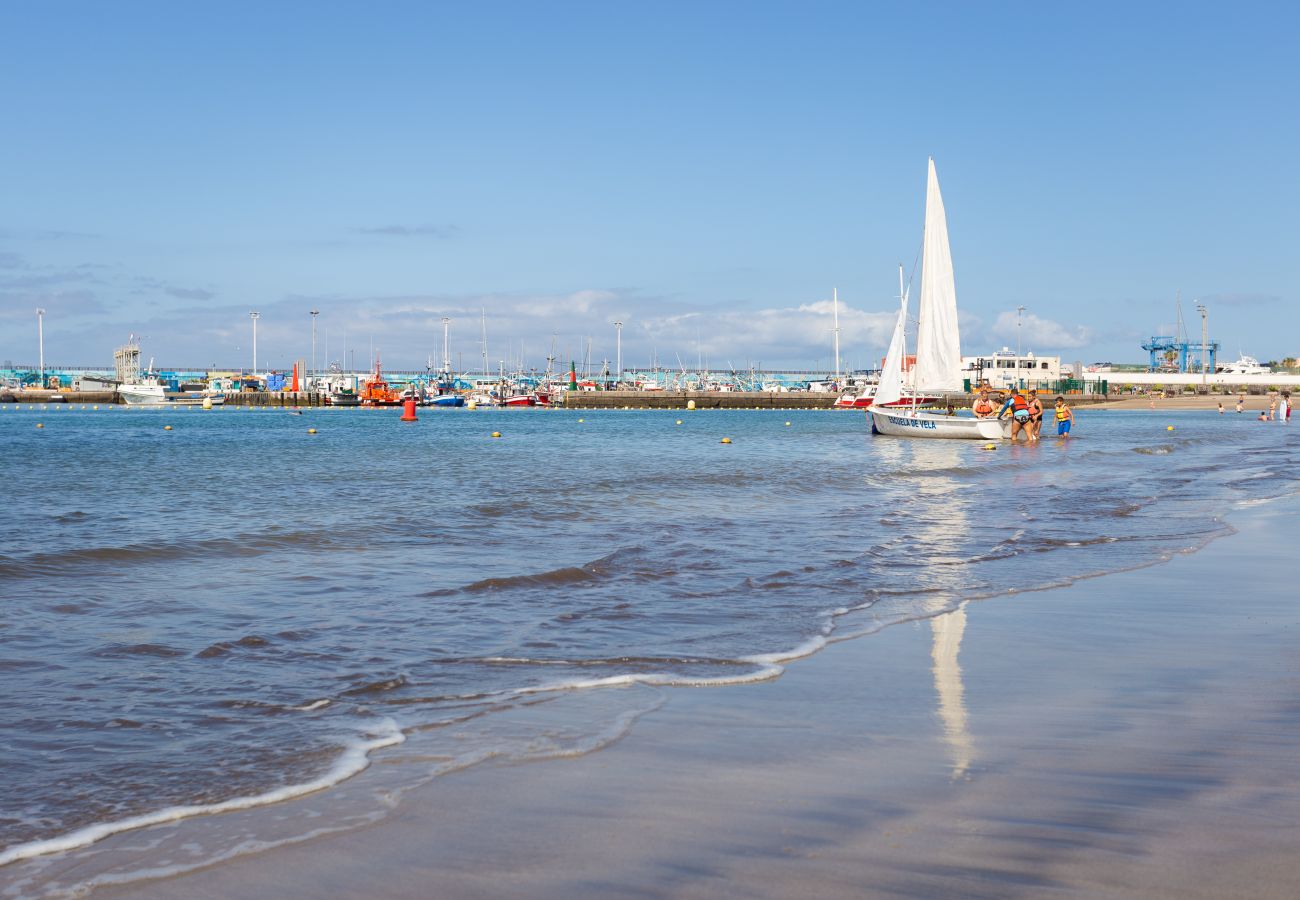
(145, 392)
(376, 391)
(938, 350)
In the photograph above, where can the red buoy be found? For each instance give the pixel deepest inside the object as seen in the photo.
(408, 410)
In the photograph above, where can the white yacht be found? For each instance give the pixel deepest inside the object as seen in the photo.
(1247, 365)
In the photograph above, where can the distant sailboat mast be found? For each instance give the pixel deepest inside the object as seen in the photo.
(835, 306)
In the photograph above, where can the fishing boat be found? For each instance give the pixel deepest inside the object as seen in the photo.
(938, 346)
(144, 392)
(376, 392)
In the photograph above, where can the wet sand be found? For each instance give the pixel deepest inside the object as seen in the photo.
(1134, 735)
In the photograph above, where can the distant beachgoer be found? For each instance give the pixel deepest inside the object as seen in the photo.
(1064, 418)
(1220, 408)
(1240, 405)
(1035, 415)
(1263, 417)
(983, 406)
(1019, 407)
(1272, 408)
(1283, 407)
(1286, 396)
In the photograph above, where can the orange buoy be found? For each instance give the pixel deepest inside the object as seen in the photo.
(408, 410)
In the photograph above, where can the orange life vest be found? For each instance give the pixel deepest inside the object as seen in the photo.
(1018, 402)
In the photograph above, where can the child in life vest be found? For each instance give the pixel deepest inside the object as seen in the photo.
(1064, 418)
(1019, 408)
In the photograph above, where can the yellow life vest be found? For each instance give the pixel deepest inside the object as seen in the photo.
(1062, 414)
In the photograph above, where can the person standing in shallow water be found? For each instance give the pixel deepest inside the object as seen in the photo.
(1035, 416)
(1019, 407)
(1065, 417)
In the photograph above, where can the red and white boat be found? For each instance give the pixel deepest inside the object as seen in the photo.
(867, 397)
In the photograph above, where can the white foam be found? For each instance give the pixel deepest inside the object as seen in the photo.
(807, 648)
(353, 760)
(318, 704)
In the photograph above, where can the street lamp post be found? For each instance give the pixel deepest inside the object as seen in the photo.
(314, 314)
(40, 341)
(618, 365)
(1200, 308)
(254, 316)
(1019, 312)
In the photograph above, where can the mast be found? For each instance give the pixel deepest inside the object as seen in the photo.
(835, 305)
(483, 322)
(938, 341)
(446, 348)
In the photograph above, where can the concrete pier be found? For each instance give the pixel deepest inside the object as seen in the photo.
(48, 396)
(275, 398)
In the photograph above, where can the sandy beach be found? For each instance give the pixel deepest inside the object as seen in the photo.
(1132, 735)
(1255, 403)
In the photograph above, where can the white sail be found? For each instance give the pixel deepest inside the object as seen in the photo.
(938, 342)
(890, 389)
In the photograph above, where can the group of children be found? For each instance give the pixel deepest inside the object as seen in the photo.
(1026, 413)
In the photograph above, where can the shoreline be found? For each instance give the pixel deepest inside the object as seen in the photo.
(1109, 736)
(1253, 403)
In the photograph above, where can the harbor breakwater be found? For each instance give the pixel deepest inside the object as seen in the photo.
(737, 400)
(569, 399)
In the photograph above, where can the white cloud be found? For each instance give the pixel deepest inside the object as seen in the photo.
(1039, 334)
(409, 328)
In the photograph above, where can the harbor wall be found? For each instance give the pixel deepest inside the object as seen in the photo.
(736, 400)
(703, 399)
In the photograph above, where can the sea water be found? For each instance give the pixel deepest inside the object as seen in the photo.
(232, 613)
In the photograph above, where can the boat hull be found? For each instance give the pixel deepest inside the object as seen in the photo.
(899, 423)
(142, 394)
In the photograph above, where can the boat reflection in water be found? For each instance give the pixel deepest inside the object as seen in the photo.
(948, 630)
(939, 519)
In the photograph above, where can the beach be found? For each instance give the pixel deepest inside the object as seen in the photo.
(806, 662)
(1250, 402)
(1127, 735)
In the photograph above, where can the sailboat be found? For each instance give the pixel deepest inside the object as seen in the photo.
(938, 346)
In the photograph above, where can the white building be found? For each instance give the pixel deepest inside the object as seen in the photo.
(1004, 369)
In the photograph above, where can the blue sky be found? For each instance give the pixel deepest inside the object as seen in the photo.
(703, 172)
